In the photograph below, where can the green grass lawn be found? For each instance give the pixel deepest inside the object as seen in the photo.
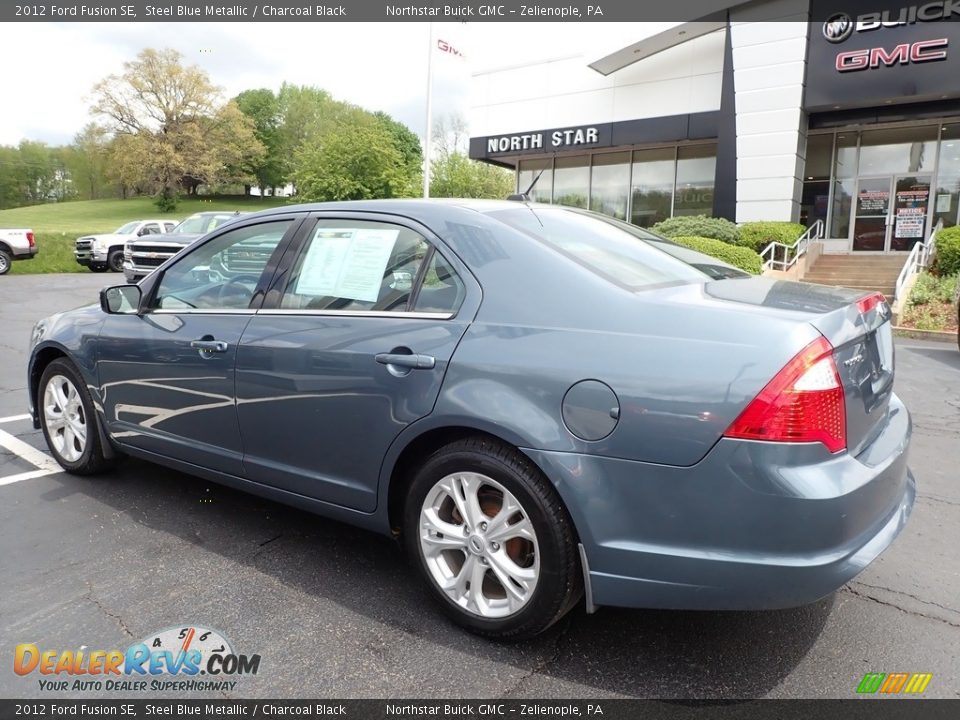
(57, 225)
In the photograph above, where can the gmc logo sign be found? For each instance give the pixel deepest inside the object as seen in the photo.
(905, 54)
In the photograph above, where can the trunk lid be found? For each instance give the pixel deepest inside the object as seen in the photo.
(856, 323)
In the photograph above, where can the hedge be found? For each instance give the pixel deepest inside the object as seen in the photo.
(757, 235)
(948, 251)
(741, 257)
(698, 226)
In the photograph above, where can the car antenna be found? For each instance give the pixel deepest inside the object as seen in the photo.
(525, 196)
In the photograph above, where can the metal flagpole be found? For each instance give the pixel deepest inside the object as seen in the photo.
(429, 133)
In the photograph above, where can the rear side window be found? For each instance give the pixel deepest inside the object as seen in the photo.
(356, 265)
(604, 248)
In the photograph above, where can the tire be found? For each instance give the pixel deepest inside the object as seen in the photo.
(65, 407)
(537, 554)
(5, 262)
(98, 268)
(115, 261)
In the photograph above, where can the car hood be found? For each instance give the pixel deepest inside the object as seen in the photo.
(170, 239)
(110, 237)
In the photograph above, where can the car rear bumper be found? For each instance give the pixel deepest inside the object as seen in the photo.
(753, 525)
(27, 254)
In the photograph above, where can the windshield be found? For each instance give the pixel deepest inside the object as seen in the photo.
(127, 229)
(607, 249)
(199, 224)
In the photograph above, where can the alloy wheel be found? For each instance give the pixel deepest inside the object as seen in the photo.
(65, 419)
(479, 545)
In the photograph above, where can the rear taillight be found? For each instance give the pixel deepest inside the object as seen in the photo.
(30, 241)
(865, 305)
(803, 403)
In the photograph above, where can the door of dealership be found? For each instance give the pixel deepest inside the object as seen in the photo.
(892, 212)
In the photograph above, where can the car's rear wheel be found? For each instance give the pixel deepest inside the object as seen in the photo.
(69, 421)
(5, 260)
(492, 539)
(115, 261)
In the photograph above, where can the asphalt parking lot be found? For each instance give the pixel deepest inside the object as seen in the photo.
(336, 612)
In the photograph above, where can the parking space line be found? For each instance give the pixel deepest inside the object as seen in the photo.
(30, 475)
(14, 418)
(35, 457)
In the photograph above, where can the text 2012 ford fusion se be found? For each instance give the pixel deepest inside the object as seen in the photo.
(544, 404)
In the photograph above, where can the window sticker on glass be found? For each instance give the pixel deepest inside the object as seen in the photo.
(347, 263)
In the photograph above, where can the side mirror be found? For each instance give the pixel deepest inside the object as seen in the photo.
(120, 300)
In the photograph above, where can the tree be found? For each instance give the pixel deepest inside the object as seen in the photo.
(456, 175)
(173, 120)
(263, 109)
(353, 161)
(406, 141)
(86, 162)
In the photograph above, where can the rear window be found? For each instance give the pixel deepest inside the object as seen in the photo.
(607, 249)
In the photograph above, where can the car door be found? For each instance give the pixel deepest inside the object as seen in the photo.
(167, 373)
(350, 347)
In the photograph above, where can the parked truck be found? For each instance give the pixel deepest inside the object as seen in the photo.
(18, 244)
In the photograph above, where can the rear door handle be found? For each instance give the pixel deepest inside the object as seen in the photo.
(415, 362)
(213, 346)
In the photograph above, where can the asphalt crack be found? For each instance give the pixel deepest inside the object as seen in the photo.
(938, 499)
(871, 598)
(113, 616)
(552, 659)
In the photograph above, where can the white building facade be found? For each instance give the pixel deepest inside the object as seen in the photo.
(776, 110)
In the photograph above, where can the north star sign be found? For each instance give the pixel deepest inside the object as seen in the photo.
(558, 139)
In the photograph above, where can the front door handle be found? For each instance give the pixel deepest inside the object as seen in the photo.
(414, 362)
(209, 346)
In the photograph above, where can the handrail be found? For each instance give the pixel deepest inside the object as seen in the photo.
(920, 258)
(791, 253)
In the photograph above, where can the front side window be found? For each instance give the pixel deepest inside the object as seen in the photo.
(127, 229)
(356, 265)
(150, 229)
(221, 274)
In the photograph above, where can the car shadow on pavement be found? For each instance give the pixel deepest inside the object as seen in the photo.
(633, 653)
(948, 355)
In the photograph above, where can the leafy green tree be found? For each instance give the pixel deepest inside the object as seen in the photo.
(353, 161)
(406, 141)
(86, 162)
(174, 124)
(456, 175)
(263, 109)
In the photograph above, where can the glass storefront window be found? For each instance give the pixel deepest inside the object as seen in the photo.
(571, 181)
(696, 167)
(653, 179)
(816, 184)
(897, 150)
(609, 184)
(528, 171)
(844, 173)
(946, 201)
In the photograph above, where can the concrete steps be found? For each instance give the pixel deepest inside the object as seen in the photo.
(860, 272)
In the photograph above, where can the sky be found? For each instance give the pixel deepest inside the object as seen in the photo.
(380, 66)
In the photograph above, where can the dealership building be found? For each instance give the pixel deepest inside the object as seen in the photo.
(802, 110)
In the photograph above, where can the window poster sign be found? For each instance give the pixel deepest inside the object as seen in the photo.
(347, 263)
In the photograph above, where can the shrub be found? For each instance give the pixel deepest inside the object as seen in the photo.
(948, 251)
(931, 290)
(698, 226)
(741, 257)
(757, 235)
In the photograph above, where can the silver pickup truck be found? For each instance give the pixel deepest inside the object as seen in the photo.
(141, 256)
(18, 244)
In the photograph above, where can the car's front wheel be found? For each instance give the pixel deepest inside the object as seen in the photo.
(68, 420)
(492, 539)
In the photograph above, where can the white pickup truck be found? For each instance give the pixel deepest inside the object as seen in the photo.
(105, 252)
(16, 244)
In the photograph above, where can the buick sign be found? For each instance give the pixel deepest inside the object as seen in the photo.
(838, 27)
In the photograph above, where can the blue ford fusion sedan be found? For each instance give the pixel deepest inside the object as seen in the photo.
(545, 405)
